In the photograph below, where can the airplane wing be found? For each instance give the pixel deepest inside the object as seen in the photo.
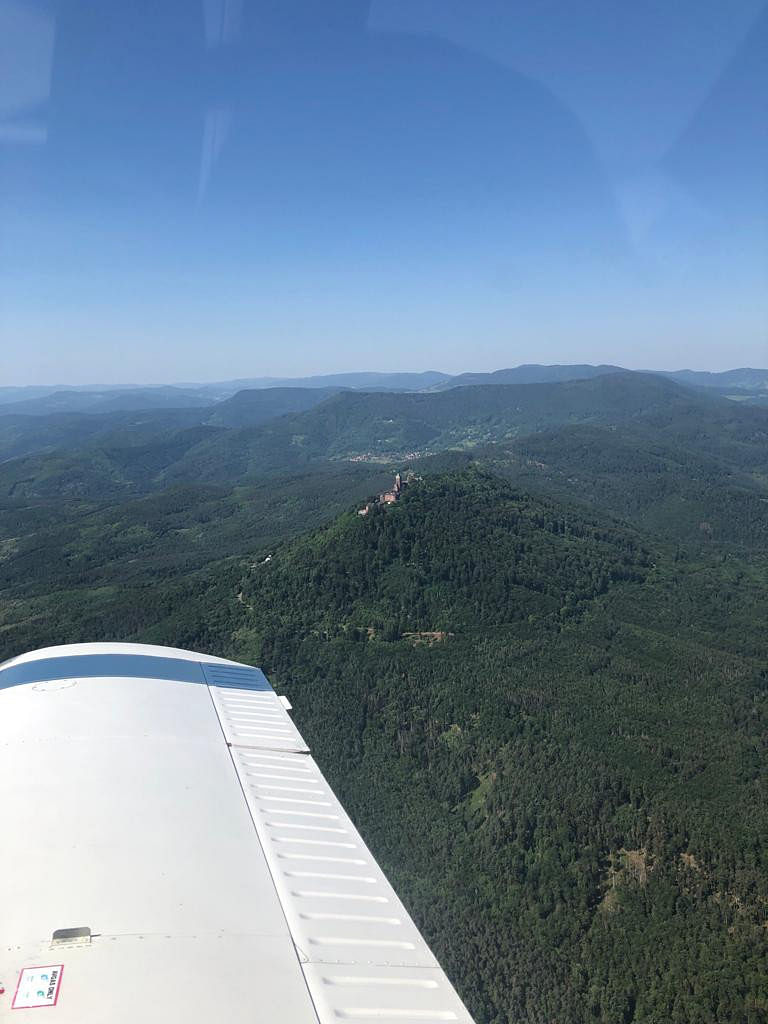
(171, 852)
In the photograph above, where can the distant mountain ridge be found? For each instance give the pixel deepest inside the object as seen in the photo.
(36, 400)
(745, 384)
(103, 401)
(746, 378)
(362, 381)
(40, 400)
(247, 436)
(531, 373)
(278, 429)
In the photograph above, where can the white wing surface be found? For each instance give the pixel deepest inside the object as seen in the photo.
(171, 853)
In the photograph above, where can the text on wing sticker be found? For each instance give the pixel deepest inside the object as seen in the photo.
(38, 986)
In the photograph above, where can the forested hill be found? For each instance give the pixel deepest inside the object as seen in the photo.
(552, 738)
(460, 552)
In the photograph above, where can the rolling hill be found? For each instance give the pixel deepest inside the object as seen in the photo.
(744, 379)
(529, 373)
(550, 734)
(76, 400)
(28, 433)
(22, 435)
(126, 456)
(40, 400)
(249, 408)
(364, 381)
(692, 498)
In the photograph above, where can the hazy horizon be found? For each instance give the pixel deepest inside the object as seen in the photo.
(180, 382)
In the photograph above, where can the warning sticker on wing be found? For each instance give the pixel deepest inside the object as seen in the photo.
(38, 986)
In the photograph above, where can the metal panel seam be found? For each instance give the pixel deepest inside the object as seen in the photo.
(263, 852)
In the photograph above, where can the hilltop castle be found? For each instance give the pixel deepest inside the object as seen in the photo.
(389, 497)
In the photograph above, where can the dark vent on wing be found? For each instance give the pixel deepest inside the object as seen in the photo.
(235, 677)
(71, 936)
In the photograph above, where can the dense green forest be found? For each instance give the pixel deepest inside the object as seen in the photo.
(565, 781)
(539, 682)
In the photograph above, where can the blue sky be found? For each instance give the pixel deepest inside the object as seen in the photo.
(203, 189)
